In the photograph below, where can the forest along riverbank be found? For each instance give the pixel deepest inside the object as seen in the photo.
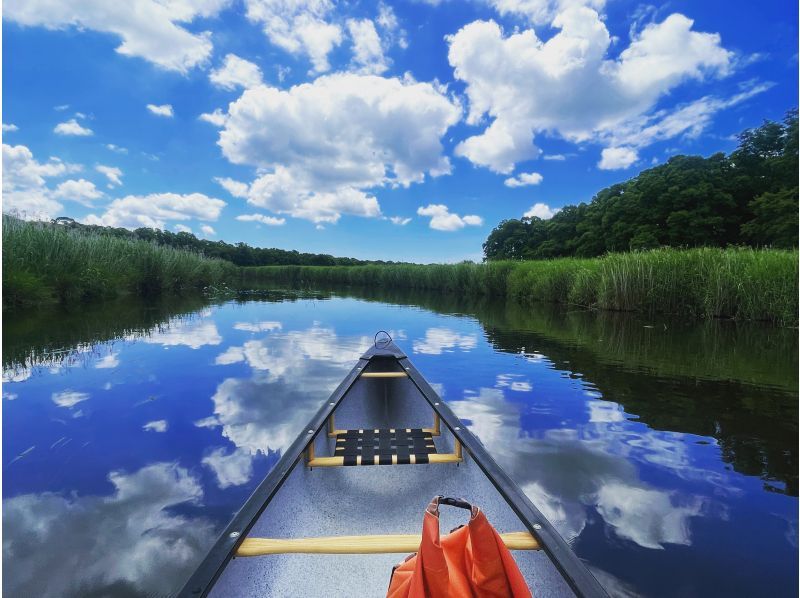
(741, 283)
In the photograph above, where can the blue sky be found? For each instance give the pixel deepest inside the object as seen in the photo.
(394, 130)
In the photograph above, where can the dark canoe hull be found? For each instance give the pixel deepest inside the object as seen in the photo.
(376, 500)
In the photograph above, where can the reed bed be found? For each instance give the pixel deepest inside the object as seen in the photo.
(44, 262)
(740, 283)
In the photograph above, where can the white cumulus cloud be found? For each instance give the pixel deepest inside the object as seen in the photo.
(389, 24)
(81, 191)
(568, 85)
(207, 230)
(368, 54)
(688, 120)
(268, 220)
(161, 110)
(112, 173)
(235, 188)
(148, 29)
(10, 128)
(399, 220)
(216, 118)
(25, 191)
(541, 12)
(300, 27)
(21, 170)
(155, 209)
(116, 148)
(321, 146)
(236, 72)
(443, 219)
(72, 127)
(524, 179)
(616, 158)
(541, 210)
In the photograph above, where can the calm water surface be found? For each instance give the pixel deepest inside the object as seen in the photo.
(665, 452)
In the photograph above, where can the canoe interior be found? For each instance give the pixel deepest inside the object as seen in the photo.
(368, 500)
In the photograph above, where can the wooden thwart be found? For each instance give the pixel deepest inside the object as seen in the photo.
(384, 375)
(339, 461)
(402, 543)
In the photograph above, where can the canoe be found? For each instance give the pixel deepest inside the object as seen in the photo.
(345, 502)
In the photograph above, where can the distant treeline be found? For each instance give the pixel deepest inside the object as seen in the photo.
(749, 197)
(240, 254)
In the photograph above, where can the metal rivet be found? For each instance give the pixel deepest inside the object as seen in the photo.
(331, 404)
(436, 403)
(234, 534)
(311, 431)
(457, 428)
(537, 526)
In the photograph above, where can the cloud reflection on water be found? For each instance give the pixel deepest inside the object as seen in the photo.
(257, 326)
(628, 490)
(69, 398)
(193, 333)
(291, 374)
(230, 469)
(124, 543)
(443, 340)
(565, 472)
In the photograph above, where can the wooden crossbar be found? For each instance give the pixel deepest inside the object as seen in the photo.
(401, 543)
(384, 375)
(339, 461)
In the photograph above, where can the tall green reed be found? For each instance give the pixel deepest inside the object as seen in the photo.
(741, 283)
(44, 262)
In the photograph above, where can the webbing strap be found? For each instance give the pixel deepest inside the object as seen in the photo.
(384, 446)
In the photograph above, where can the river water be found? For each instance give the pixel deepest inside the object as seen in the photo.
(665, 452)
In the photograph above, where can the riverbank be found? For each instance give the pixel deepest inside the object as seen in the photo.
(745, 284)
(45, 263)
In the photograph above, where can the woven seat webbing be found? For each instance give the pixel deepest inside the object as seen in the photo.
(362, 447)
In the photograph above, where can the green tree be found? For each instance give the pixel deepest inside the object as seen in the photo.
(775, 221)
(748, 197)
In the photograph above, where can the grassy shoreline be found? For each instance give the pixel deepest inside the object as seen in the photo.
(745, 284)
(44, 263)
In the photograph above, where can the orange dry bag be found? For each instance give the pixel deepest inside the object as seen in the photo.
(471, 561)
